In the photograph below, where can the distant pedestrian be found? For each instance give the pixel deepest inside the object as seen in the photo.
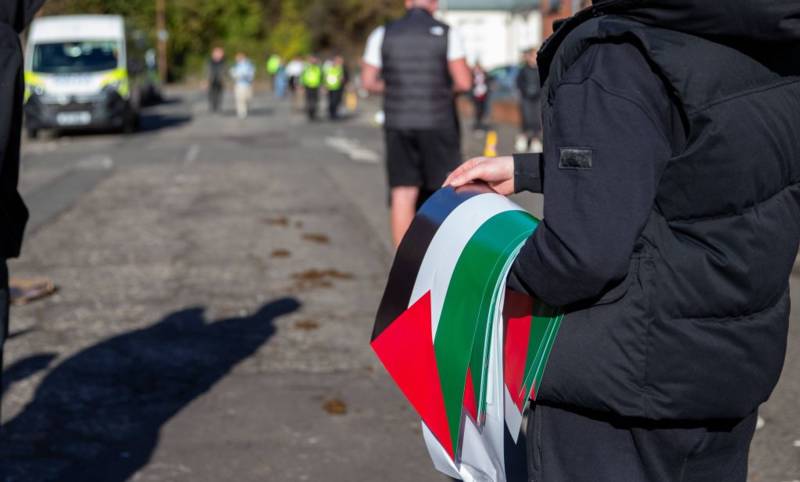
(480, 95)
(312, 81)
(274, 64)
(243, 74)
(14, 18)
(336, 78)
(418, 63)
(530, 94)
(216, 78)
(294, 70)
(277, 73)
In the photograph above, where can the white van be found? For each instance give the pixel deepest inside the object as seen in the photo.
(83, 71)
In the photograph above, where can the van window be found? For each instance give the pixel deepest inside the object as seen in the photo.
(75, 57)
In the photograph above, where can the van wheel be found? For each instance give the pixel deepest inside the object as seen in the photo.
(33, 133)
(131, 124)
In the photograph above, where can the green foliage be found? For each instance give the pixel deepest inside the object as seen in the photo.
(257, 27)
(289, 36)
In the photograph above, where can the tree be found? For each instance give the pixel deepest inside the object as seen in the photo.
(287, 27)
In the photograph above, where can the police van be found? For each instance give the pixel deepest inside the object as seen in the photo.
(83, 71)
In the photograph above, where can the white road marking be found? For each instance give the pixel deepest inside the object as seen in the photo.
(191, 154)
(100, 162)
(352, 149)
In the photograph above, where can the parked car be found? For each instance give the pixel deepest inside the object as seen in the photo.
(503, 83)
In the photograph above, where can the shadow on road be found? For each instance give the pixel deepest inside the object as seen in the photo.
(98, 414)
(156, 121)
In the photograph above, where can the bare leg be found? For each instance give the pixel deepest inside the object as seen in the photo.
(404, 207)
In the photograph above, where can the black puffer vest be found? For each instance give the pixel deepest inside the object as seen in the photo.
(698, 329)
(419, 93)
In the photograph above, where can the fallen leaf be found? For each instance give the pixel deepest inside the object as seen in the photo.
(306, 325)
(281, 253)
(334, 406)
(317, 238)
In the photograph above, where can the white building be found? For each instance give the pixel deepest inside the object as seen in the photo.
(495, 32)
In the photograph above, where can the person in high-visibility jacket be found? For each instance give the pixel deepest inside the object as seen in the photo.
(273, 64)
(312, 80)
(336, 79)
(277, 74)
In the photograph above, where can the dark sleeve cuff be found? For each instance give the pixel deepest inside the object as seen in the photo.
(528, 172)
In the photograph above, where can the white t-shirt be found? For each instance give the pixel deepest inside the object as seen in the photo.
(295, 68)
(374, 57)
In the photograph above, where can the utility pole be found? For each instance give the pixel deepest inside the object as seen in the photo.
(162, 35)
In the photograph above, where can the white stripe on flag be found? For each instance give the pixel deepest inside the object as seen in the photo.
(447, 244)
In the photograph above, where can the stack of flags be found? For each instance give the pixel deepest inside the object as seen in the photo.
(467, 352)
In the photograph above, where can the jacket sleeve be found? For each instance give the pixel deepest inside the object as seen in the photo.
(604, 154)
(10, 101)
(528, 172)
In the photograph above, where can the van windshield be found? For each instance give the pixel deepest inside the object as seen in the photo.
(76, 57)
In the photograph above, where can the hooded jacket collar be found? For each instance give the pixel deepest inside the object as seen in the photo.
(759, 21)
(764, 28)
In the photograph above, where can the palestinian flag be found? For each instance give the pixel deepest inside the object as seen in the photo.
(466, 352)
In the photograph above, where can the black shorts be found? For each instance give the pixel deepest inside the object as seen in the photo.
(421, 158)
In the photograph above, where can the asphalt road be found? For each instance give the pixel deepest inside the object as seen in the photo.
(218, 280)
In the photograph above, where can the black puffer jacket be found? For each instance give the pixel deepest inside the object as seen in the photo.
(697, 328)
(14, 17)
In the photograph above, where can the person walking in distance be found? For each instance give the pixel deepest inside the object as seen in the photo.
(480, 95)
(312, 80)
(243, 74)
(14, 18)
(216, 78)
(294, 70)
(273, 65)
(530, 93)
(335, 82)
(671, 181)
(418, 64)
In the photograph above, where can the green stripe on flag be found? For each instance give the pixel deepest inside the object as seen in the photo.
(465, 317)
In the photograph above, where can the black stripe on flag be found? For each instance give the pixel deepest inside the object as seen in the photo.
(412, 251)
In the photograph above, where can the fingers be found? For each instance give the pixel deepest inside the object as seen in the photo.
(479, 172)
(462, 170)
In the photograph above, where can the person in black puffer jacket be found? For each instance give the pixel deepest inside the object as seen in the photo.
(671, 179)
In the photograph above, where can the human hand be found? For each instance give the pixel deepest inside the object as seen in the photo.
(497, 172)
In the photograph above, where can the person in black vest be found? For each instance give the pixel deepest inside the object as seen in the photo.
(14, 17)
(418, 63)
(671, 179)
(216, 78)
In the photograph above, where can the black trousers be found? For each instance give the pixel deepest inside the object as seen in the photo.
(570, 446)
(480, 110)
(4, 302)
(334, 101)
(214, 97)
(312, 99)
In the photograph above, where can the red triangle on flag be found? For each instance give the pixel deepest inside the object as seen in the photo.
(406, 350)
(517, 314)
